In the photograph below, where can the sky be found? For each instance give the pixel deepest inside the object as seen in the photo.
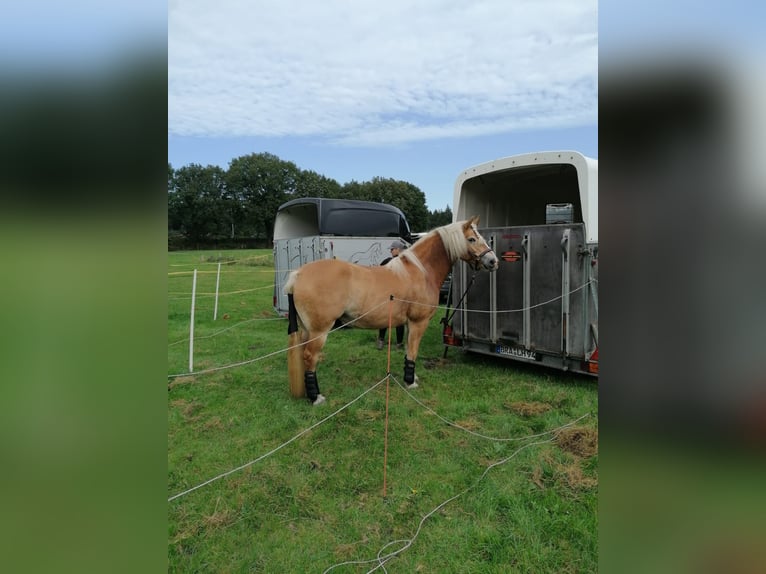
(62, 37)
(417, 91)
(414, 91)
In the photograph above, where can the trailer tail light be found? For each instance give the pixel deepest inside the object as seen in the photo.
(449, 337)
(593, 362)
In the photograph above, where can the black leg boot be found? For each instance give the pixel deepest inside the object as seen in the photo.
(409, 373)
(312, 388)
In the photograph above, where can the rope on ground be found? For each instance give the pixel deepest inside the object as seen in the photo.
(457, 426)
(382, 558)
(284, 444)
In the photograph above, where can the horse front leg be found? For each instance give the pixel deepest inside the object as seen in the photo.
(416, 331)
(311, 353)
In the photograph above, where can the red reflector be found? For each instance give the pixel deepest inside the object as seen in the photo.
(511, 256)
(593, 362)
(448, 337)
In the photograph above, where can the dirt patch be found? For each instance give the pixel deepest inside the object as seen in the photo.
(346, 551)
(187, 409)
(574, 477)
(180, 381)
(183, 535)
(550, 471)
(580, 441)
(219, 518)
(435, 363)
(214, 424)
(470, 424)
(528, 409)
(368, 415)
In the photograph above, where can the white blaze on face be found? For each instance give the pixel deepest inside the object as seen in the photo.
(488, 259)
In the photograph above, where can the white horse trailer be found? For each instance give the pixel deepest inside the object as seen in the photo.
(539, 212)
(309, 229)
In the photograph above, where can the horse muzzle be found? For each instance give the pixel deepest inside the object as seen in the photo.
(489, 260)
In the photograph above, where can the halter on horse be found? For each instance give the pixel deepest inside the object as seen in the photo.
(321, 292)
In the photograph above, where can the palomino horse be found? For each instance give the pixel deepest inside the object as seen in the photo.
(321, 292)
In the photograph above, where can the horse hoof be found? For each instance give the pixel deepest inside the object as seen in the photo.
(319, 400)
(414, 385)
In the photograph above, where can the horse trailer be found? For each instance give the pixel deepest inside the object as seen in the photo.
(309, 229)
(539, 212)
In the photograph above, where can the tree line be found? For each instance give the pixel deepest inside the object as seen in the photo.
(236, 207)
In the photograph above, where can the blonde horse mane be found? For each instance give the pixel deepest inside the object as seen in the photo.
(409, 256)
(453, 239)
(454, 244)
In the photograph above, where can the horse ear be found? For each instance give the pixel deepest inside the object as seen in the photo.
(473, 220)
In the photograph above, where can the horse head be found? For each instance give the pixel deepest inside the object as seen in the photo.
(478, 253)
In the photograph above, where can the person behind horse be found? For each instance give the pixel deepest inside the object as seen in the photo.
(396, 248)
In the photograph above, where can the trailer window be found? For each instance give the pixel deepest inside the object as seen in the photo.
(361, 223)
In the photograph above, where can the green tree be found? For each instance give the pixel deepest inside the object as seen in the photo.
(312, 184)
(242, 201)
(259, 184)
(437, 218)
(195, 202)
(171, 178)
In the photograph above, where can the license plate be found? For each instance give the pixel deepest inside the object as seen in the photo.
(515, 352)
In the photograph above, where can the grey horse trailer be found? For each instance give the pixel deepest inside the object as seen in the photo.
(312, 228)
(539, 212)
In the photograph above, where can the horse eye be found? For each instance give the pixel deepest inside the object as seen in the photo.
(471, 240)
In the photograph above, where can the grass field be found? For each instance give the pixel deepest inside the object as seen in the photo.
(317, 503)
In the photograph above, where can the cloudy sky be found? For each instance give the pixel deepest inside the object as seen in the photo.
(416, 91)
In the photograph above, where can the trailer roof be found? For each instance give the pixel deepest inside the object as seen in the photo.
(326, 204)
(587, 177)
(319, 215)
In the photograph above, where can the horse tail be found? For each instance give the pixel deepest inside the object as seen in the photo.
(295, 365)
(291, 282)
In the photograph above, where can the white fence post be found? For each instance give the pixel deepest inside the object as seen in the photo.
(217, 281)
(191, 324)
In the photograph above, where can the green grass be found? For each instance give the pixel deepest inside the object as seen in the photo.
(318, 501)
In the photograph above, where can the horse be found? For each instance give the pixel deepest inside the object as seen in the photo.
(407, 289)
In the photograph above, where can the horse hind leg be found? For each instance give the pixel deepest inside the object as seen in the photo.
(311, 353)
(302, 356)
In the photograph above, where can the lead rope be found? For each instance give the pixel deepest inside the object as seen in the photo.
(447, 319)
